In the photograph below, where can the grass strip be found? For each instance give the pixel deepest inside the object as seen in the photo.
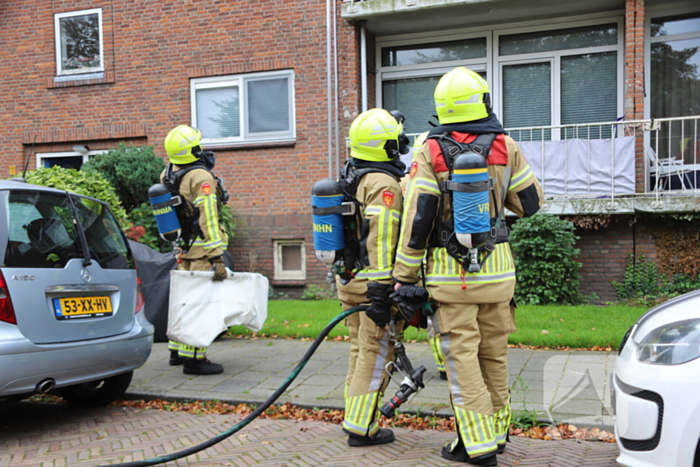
(553, 326)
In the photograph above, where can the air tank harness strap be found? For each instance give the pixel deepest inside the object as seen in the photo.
(347, 208)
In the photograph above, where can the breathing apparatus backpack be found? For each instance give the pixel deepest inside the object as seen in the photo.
(472, 233)
(337, 218)
(176, 217)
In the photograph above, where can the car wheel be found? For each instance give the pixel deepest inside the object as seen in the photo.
(96, 393)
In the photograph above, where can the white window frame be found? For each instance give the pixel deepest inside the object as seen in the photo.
(424, 70)
(555, 56)
(42, 156)
(59, 52)
(287, 275)
(492, 64)
(240, 82)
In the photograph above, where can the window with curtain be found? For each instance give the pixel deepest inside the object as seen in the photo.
(675, 82)
(545, 77)
(588, 93)
(414, 98)
(588, 82)
(527, 99)
(244, 108)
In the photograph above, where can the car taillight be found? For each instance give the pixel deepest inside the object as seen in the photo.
(7, 311)
(139, 296)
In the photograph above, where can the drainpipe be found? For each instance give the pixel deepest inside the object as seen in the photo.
(329, 82)
(336, 116)
(363, 65)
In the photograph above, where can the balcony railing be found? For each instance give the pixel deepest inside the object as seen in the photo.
(616, 166)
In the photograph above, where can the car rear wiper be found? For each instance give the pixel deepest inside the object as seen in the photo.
(81, 233)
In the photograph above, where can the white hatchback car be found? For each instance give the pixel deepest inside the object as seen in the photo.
(656, 387)
(70, 307)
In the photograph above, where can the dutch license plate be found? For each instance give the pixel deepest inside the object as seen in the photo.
(82, 307)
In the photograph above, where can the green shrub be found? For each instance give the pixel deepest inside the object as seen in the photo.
(641, 279)
(314, 292)
(642, 282)
(131, 170)
(84, 183)
(545, 257)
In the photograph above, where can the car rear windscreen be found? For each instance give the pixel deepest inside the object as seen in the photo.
(42, 234)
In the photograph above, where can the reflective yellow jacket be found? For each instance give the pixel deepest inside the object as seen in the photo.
(381, 203)
(516, 188)
(199, 187)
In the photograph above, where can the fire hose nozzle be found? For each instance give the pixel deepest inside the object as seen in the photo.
(409, 386)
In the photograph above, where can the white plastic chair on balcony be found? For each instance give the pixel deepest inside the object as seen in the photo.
(664, 169)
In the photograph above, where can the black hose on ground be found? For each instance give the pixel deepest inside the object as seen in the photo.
(261, 408)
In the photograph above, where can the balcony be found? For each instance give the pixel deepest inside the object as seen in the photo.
(618, 167)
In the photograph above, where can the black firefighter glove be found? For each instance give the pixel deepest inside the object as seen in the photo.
(379, 310)
(217, 263)
(410, 299)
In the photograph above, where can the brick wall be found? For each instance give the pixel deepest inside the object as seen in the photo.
(151, 51)
(634, 79)
(604, 254)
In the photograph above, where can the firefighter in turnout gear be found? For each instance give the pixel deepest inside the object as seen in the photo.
(474, 310)
(371, 177)
(433, 338)
(190, 173)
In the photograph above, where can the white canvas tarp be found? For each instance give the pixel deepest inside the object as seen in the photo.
(583, 166)
(201, 309)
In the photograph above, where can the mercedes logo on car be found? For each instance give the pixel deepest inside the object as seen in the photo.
(85, 274)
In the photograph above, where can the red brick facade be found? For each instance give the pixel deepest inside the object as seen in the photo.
(151, 51)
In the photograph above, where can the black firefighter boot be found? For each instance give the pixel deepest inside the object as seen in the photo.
(382, 436)
(201, 366)
(456, 452)
(175, 358)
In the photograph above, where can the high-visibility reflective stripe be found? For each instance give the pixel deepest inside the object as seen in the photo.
(374, 274)
(435, 279)
(408, 260)
(519, 178)
(376, 382)
(207, 245)
(445, 269)
(476, 431)
(430, 185)
(211, 228)
(187, 351)
(387, 221)
(437, 352)
(501, 422)
(358, 414)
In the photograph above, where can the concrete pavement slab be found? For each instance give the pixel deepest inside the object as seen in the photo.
(571, 386)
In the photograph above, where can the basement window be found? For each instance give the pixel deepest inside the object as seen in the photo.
(290, 260)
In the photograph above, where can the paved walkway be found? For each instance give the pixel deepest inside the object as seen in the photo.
(571, 386)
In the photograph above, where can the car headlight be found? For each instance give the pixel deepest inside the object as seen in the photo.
(671, 344)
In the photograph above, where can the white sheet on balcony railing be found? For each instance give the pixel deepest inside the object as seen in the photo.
(598, 167)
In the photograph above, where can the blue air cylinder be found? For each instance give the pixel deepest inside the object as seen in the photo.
(471, 210)
(166, 218)
(326, 200)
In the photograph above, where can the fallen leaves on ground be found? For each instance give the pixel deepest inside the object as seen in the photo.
(290, 411)
(595, 348)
